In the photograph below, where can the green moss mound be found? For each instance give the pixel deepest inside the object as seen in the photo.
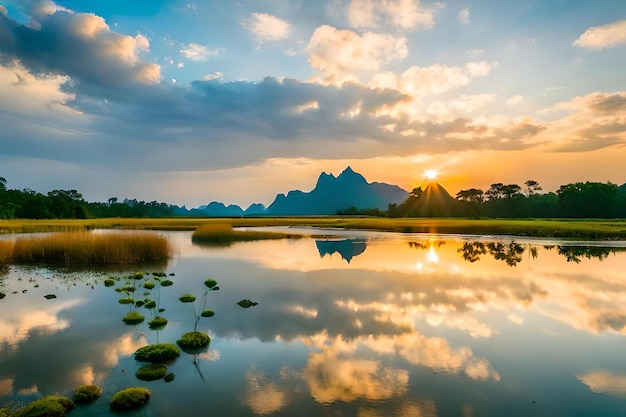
(157, 323)
(169, 377)
(133, 318)
(167, 283)
(150, 304)
(148, 285)
(187, 298)
(151, 372)
(109, 282)
(207, 313)
(159, 352)
(210, 283)
(50, 406)
(86, 393)
(125, 300)
(130, 398)
(194, 340)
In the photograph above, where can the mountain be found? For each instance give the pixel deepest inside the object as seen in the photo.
(216, 209)
(332, 194)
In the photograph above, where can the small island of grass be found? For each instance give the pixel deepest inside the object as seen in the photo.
(159, 352)
(50, 406)
(151, 372)
(193, 340)
(224, 234)
(87, 393)
(130, 398)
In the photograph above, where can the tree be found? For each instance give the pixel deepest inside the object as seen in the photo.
(3, 184)
(473, 197)
(532, 187)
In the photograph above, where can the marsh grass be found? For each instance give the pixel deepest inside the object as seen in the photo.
(223, 234)
(88, 248)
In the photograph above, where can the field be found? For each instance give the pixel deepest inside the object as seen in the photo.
(565, 228)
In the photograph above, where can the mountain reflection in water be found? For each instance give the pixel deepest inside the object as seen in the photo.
(413, 326)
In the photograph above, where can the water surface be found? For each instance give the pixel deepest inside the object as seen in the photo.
(364, 324)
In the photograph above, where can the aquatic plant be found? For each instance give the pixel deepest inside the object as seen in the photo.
(187, 298)
(193, 340)
(155, 353)
(148, 285)
(207, 313)
(169, 377)
(125, 300)
(86, 393)
(49, 406)
(167, 283)
(157, 323)
(210, 283)
(151, 372)
(150, 304)
(109, 282)
(133, 318)
(91, 248)
(129, 398)
(245, 303)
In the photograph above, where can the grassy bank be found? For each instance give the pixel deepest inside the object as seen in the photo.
(86, 248)
(567, 228)
(224, 234)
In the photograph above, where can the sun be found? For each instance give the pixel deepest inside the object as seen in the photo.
(431, 174)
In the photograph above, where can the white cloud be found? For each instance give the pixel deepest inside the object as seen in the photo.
(199, 53)
(404, 14)
(215, 76)
(604, 36)
(464, 16)
(605, 382)
(515, 100)
(267, 27)
(340, 55)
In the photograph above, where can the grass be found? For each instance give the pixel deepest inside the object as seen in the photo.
(156, 353)
(567, 228)
(194, 340)
(85, 247)
(224, 234)
(87, 393)
(49, 406)
(151, 372)
(133, 318)
(130, 398)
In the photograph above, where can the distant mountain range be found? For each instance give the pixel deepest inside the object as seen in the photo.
(331, 194)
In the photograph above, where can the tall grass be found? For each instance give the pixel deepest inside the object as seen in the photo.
(89, 248)
(224, 234)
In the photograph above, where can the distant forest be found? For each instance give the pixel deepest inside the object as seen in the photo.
(575, 200)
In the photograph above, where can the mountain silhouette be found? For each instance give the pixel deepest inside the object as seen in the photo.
(331, 194)
(347, 248)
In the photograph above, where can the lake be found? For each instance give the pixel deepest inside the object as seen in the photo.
(361, 324)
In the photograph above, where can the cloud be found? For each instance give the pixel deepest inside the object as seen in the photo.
(78, 45)
(262, 396)
(340, 55)
(198, 53)
(402, 14)
(605, 36)
(605, 382)
(464, 16)
(515, 100)
(267, 27)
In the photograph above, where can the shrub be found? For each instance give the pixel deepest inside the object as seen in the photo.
(87, 393)
(133, 318)
(194, 340)
(159, 352)
(129, 398)
(151, 372)
(50, 406)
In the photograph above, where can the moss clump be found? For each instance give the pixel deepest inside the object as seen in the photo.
(187, 298)
(109, 282)
(159, 352)
(245, 303)
(210, 283)
(125, 300)
(194, 340)
(148, 285)
(87, 393)
(133, 318)
(2, 295)
(207, 313)
(129, 398)
(150, 304)
(139, 303)
(151, 372)
(169, 377)
(50, 406)
(157, 323)
(167, 283)
(137, 275)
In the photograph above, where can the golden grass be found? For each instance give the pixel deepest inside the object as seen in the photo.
(222, 233)
(85, 247)
(592, 229)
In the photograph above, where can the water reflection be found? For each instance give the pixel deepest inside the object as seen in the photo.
(411, 326)
(347, 248)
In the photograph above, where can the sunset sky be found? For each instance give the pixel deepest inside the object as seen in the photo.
(235, 101)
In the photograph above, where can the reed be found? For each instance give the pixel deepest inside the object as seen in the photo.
(224, 234)
(85, 247)
(6, 251)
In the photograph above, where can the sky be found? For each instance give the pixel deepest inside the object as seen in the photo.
(235, 101)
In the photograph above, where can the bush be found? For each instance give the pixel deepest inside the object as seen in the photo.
(129, 398)
(194, 340)
(87, 393)
(151, 372)
(159, 352)
(50, 406)
(157, 323)
(133, 318)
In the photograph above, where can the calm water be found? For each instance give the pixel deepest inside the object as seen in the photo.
(368, 324)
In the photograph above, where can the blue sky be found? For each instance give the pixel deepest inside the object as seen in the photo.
(235, 101)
